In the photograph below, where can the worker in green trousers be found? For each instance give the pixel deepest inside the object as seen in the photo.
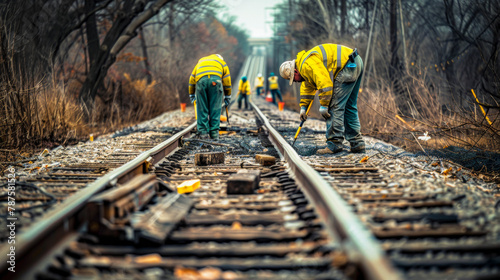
(209, 84)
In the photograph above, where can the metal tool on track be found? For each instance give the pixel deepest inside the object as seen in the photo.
(302, 123)
(195, 113)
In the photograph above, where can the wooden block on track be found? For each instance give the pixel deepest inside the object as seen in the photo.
(265, 160)
(255, 172)
(242, 183)
(209, 158)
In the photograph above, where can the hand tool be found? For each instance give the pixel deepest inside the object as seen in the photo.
(195, 114)
(301, 123)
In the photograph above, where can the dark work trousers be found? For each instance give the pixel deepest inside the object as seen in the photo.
(344, 120)
(276, 93)
(240, 98)
(208, 102)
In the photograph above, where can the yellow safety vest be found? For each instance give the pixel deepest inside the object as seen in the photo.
(244, 87)
(319, 67)
(211, 65)
(273, 82)
(259, 82)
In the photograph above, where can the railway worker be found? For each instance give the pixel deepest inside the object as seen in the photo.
(334, 71)
(210, 81)
(244, 92)
(274, 87)
(259, 84)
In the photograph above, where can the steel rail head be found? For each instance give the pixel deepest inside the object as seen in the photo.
(59, 215)
(338, 217)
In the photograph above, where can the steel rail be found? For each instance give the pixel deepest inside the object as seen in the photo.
(339, 220)
(69, 217)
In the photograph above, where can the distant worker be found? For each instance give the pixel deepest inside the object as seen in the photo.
(274, 87)
(259, 84)
(244, 92)
(210, 78)
(334, 71)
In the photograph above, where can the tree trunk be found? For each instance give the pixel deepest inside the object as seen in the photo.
(171, 26)
(394, 39)
(394, 71)
(92, 34)
(145, 54)
(121, 32)
(343, 16)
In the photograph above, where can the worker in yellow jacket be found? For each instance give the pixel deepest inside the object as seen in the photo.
(259, 84)
(335, 72)
(244, 92)
(274, 87)
(210, 81)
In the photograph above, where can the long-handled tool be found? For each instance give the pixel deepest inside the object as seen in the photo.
(227, 115)
(301, 123)
(195, 113)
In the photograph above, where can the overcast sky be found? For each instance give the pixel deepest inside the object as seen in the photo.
(252, 15)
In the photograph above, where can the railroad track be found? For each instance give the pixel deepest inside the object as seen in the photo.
(431, 226)
(55, 182)
(296, 222)
(132, 223)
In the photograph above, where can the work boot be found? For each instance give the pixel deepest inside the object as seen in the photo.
(204, 136)
(214, 134)
(358, 147)
(331, 148)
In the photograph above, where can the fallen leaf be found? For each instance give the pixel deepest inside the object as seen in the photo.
(364, 159)
(210, 273)
(148, 259)
(435, 164)
(392, 176)
(447, 171)
(183, 272)
(236, 226)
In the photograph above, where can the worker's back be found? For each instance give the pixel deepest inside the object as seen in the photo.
(211, 65)
(244, 87)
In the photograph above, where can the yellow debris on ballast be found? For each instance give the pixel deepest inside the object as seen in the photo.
(188, 186)
(223, 118)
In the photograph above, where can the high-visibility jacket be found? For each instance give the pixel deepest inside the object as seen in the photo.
(259, 82)
(211, 65)
(319, 67)
(244, 87)
(273, 82)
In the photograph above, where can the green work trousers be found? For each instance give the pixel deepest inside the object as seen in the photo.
(209, 97)
(344, 120)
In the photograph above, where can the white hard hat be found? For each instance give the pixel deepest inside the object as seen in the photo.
(259, 75)
(220, 56)
(287, 70)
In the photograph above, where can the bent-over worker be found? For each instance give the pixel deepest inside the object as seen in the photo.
(334, 71)
(208, 84)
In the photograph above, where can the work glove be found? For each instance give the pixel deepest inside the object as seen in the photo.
(323, 110)
(227, 100)
(192, 97)
(303, 115)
